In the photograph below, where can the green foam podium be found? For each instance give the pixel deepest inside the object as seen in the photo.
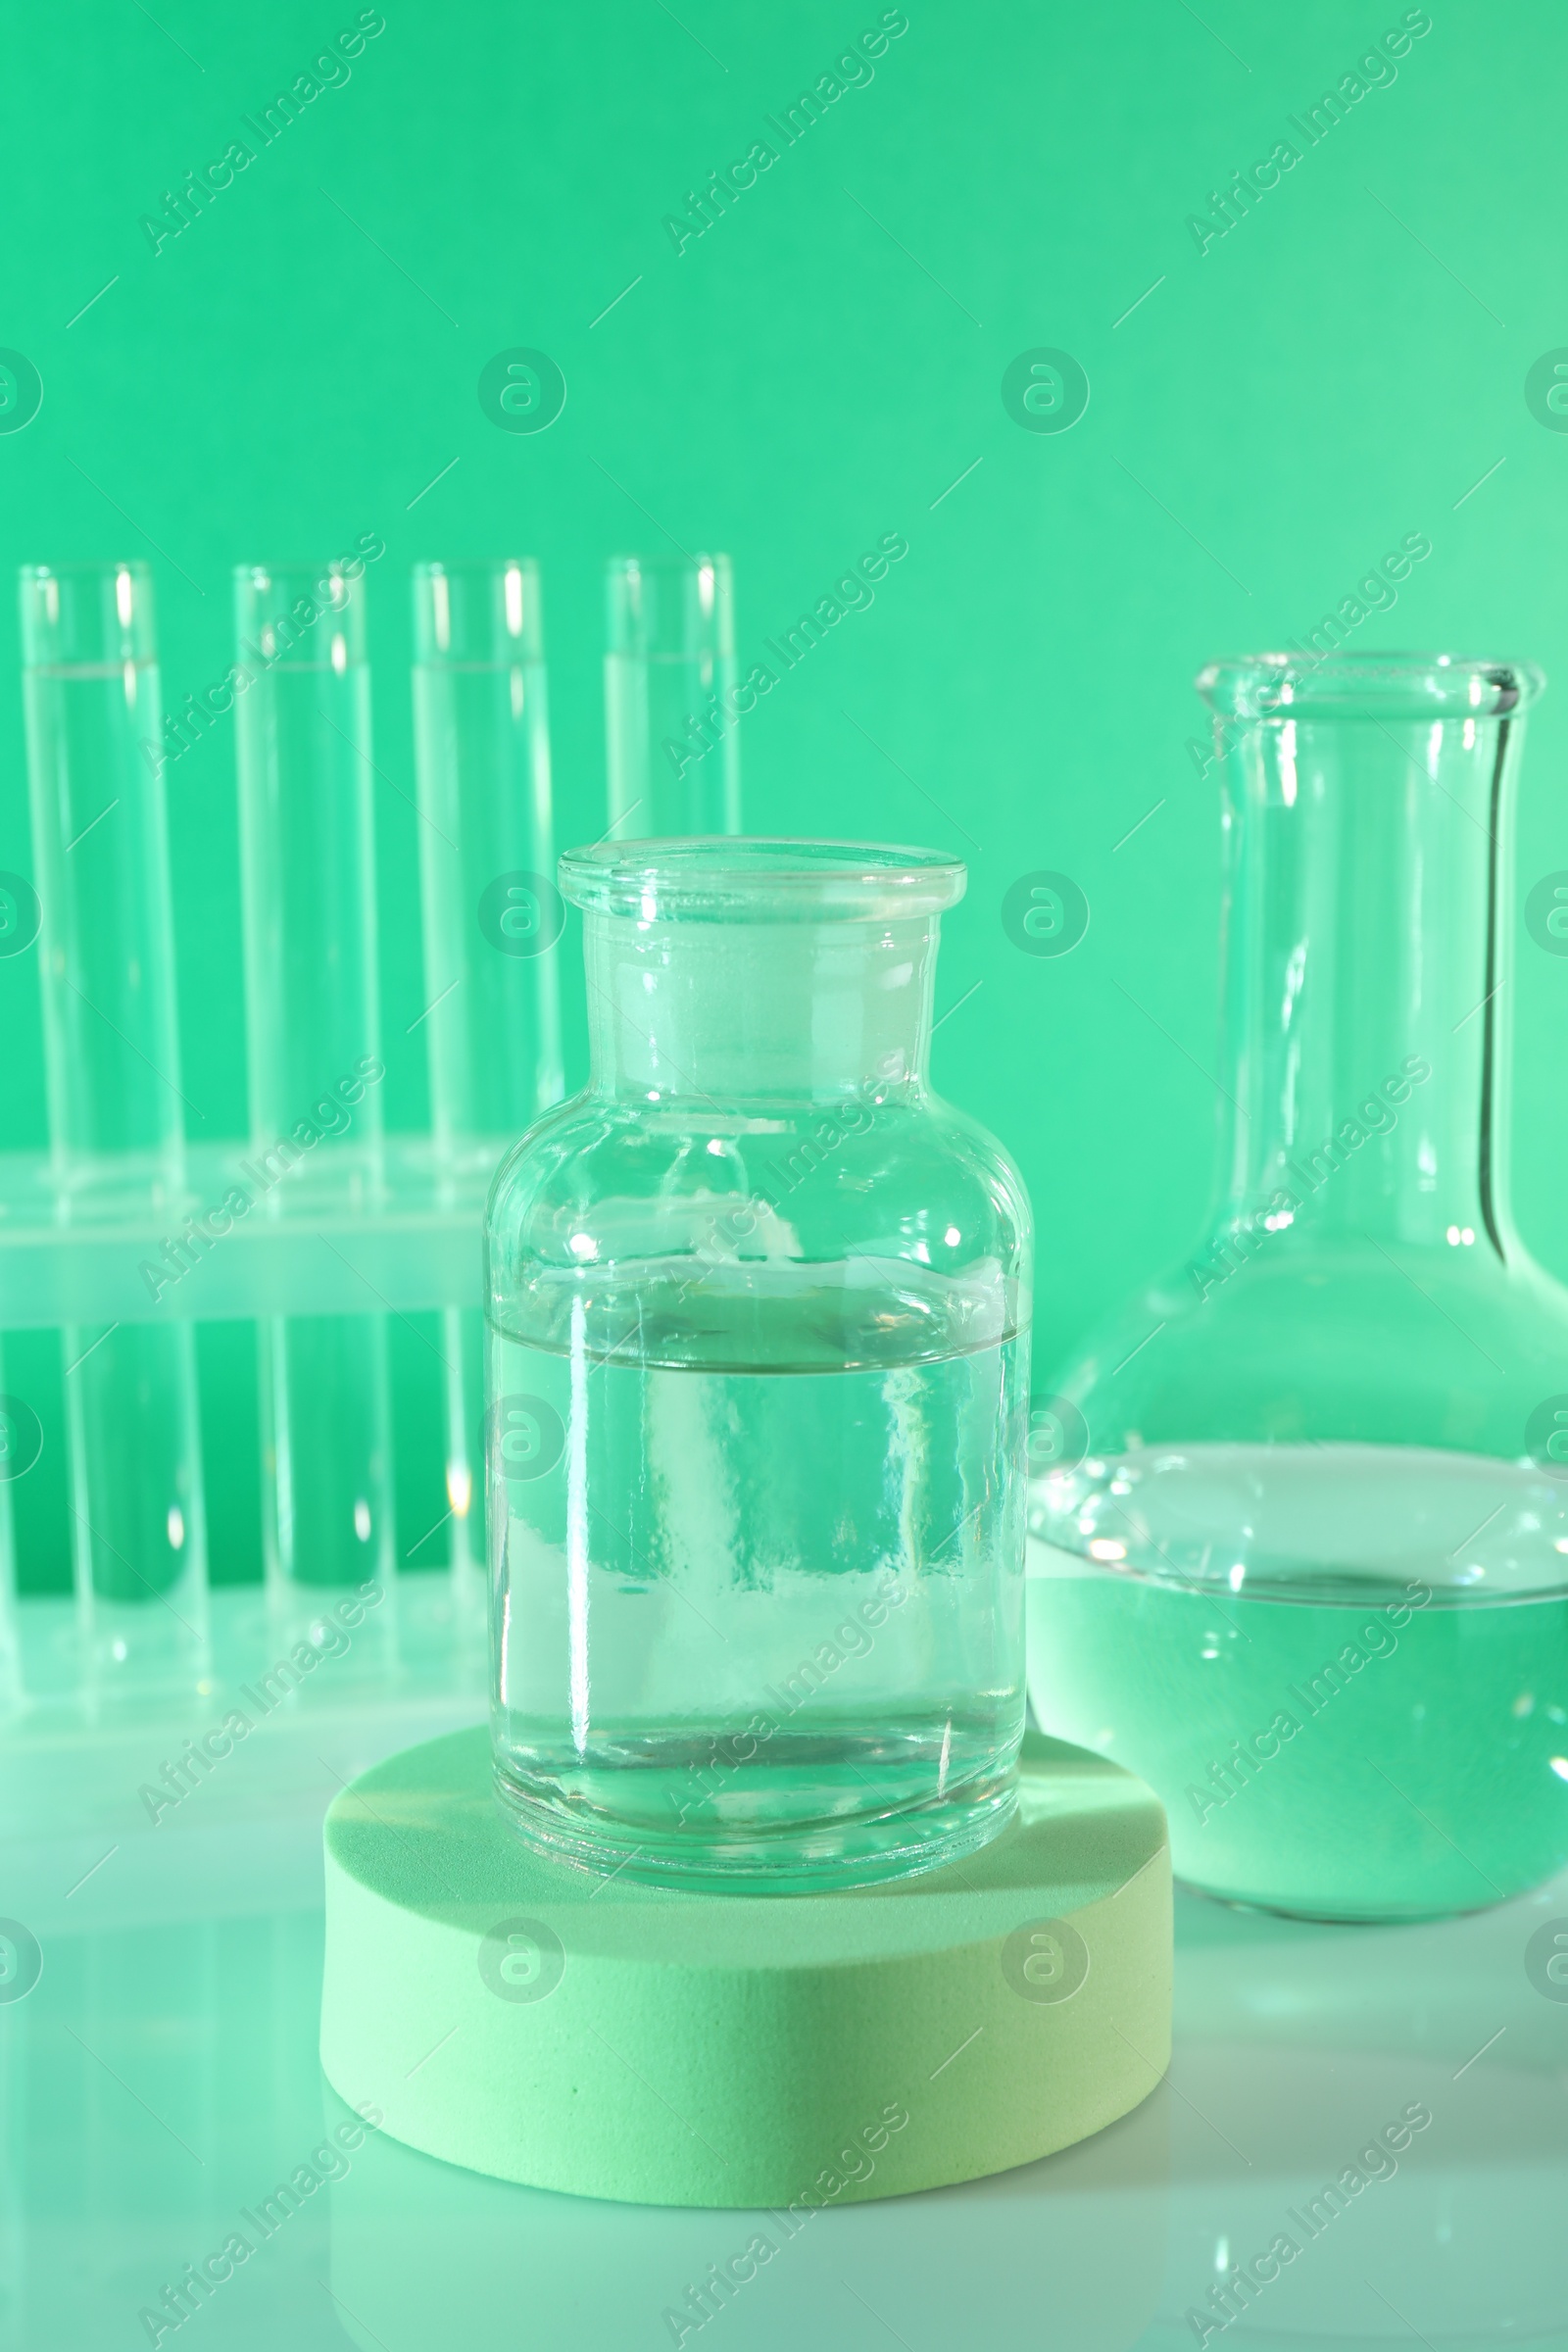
(512, 2014)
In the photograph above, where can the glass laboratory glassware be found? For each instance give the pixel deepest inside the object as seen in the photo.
(492, 912)
(1300, 1515)
(313, 1022)
(759, 1331)
(671, 716)
(492, 919)
(116, 1107)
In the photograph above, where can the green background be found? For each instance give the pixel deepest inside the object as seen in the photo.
(814, 371)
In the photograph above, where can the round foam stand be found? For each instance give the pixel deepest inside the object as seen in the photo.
(523, 2018)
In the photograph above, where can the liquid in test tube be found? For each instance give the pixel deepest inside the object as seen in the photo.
(492, 919)
(117, 1105)
(313, 1018)
(671, 725)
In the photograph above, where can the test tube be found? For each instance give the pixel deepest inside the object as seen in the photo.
(671, 718)
(491, 918)
(116, 1106)
(312, 1026)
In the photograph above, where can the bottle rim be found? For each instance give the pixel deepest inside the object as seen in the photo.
(742, 878)
(1369, 685)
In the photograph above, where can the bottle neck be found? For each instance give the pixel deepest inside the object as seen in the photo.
(748, 1011)
(1366, 999)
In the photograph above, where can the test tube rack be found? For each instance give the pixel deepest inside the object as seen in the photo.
(96, 1239)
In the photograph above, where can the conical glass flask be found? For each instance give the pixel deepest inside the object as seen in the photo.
(1300, 1513)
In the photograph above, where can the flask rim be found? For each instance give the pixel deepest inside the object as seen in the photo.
(761, 879)
(1371, 685)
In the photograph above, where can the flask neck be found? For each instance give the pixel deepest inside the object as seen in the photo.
(1366, 997)
(749, 1012)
